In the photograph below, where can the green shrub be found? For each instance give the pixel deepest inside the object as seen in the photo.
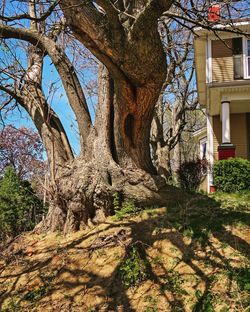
(133, 269)
(20, 208)
(191, 173)
(232, 175)
(122, 209)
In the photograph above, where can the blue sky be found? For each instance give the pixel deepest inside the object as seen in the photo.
(59, 103)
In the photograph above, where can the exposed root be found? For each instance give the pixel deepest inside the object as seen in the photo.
(85, 194)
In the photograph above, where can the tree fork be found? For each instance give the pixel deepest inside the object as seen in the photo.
(86, 187)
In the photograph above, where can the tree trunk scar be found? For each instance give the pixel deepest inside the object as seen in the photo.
(111, 121)
(129, 127)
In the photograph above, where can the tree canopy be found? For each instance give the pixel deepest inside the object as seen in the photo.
(21, 149)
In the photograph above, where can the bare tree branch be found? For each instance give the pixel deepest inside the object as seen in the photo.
(65, 69)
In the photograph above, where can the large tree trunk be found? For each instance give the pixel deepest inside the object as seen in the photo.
(117, 160)
(117, 155)
(115, 152)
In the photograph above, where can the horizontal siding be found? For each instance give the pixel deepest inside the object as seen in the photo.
(216, 135)
(222, 69)
(248, 134)
(222, 61)
(239, 134)
(222, 48)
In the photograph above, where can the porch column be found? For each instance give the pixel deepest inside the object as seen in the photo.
(225, 116)
(226, 149)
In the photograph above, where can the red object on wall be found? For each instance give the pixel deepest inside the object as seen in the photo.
(214, 13)
(212, 189)
(225, 152)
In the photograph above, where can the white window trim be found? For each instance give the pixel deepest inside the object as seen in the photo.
(245, 58)
(209, 61)
(210, 150)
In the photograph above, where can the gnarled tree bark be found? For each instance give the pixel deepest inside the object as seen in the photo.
(115, 156)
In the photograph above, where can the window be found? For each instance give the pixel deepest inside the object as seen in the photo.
(237, 58)
(221, 53)
(248, 59)
(237, 46)
(203, 148)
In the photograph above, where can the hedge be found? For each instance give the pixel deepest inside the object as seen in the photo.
(232, 175)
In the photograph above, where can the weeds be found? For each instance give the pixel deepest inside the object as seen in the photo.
(13, 306)
(152, 304)
(173, 283)
(134, 268)
(204, 303)
(127, 208)
(38, 293)
(241, 276)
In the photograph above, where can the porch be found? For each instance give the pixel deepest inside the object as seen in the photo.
(229, 121)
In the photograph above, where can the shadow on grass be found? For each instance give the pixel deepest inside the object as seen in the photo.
(199, 219)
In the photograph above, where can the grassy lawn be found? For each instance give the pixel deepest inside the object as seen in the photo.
(191, 256)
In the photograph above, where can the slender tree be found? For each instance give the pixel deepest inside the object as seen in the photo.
(177, 97)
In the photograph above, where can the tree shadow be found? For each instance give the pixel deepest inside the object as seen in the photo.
(201, 218)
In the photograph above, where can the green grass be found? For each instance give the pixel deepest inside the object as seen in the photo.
(236, 201)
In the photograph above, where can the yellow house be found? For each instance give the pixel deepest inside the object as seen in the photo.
(223, 81)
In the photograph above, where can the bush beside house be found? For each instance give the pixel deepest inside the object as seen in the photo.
(232, 175)
(191, 173)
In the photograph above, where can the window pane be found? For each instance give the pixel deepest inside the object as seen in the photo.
(238, 68)
(248, 47)
(237, 46)
(248, 66)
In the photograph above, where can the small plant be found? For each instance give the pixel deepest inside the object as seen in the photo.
(134, 269)
(152, 304)
(202, 237)
(188, 232)
(36, 294)
(156, 260)
(41, 291)
(232, 175)
(204, 303)
(242, 277)
(127, 208)
(191, 173)
(116, 201)
(174, 282)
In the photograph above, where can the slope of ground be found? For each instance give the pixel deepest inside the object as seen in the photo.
(184, 257)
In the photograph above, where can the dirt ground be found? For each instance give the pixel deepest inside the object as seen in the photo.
(184, 257)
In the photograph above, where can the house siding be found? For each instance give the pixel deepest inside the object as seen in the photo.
(222, 61)
(217, 135)
(248, 135)
(238, 134)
